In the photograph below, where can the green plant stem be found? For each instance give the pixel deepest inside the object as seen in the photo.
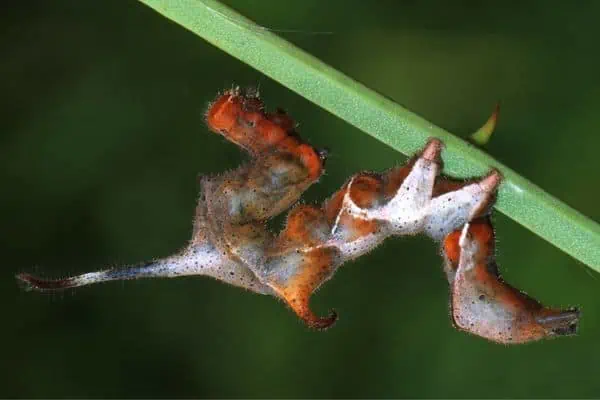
(383, 119)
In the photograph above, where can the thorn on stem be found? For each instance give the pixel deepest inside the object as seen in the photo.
(483, 135)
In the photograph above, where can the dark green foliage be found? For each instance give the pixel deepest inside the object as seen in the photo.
(102, 141)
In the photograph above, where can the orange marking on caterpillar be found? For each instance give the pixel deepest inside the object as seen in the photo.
(302, 223)
(240, 117)
(269, 134)
(365, 191)
(360, 228)
(452, 249)
(221, 115)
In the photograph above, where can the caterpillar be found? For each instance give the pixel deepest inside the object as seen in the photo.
(231, 242)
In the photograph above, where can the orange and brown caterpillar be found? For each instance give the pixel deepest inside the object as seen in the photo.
(231, 242)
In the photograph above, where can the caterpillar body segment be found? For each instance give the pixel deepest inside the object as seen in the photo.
(483, 304)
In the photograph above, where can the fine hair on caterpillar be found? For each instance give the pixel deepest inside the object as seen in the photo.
(231, 242)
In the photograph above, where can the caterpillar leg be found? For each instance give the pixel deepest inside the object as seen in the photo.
(484, 305)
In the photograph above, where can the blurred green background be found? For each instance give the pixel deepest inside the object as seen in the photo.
(102, 141)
